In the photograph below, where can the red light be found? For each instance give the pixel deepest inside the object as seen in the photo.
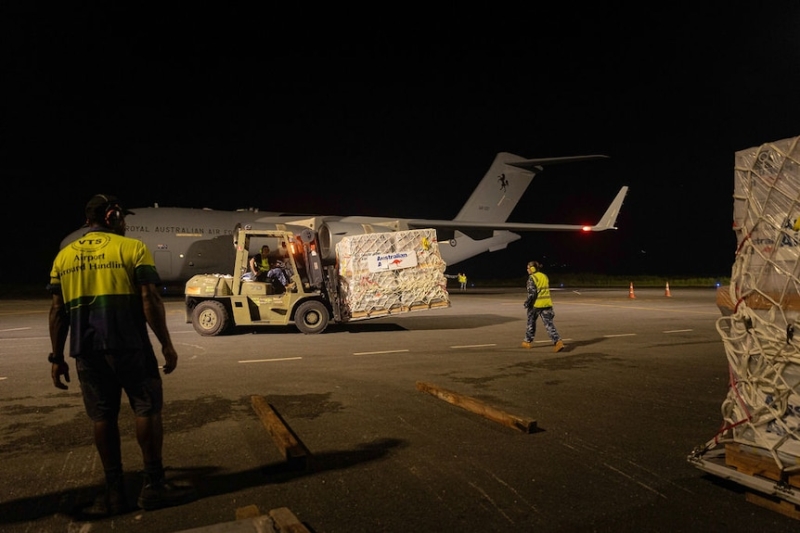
(587, 228)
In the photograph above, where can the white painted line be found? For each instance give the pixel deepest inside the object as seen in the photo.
(2, 378)
(270, 360)
(473, 346)
(380, 353)
(548, 341)
(620, 335)
(15, 329)
(678, 330)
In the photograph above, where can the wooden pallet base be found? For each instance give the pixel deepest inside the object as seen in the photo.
(757, 465)
(765, 467)
(397, 310)
(774, 504)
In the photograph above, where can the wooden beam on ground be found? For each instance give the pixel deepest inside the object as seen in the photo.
(248, 511)
(293, 450)
(286, 522)
(476, 406)
(279, 520)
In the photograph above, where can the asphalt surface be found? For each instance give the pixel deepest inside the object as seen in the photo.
(616, 415)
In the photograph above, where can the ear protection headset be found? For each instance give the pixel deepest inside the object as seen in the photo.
(113, 214)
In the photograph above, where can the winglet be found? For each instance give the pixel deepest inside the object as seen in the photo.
(610, 216)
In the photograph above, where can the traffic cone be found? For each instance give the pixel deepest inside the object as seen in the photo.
(630, 292)
(666, 293)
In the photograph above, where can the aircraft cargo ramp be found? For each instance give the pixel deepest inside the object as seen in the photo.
(758, 445)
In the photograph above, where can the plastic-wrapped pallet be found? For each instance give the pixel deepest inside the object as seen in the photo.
(762, 408)
(391, 273)
(766, 210)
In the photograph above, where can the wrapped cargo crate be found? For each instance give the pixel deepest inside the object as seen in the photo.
(759, 441)
(390, 273)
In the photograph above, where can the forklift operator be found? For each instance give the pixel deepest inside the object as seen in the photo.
(260, 268)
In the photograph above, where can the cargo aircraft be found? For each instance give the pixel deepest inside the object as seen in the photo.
(189, 241)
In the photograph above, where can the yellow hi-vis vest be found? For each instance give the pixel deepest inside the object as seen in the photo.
(542, 284)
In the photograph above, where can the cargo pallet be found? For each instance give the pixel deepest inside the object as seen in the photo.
(746, 465)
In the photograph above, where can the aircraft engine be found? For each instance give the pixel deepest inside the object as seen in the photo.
(256, 243)
(331, 233)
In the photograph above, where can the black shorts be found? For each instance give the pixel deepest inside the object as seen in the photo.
(104, 376)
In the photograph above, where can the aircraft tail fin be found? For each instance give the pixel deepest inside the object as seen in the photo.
(610, 216)
(503, 185)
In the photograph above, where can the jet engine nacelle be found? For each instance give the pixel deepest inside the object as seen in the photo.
(331, 233)
(255, 243)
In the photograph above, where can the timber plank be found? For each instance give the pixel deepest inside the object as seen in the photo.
(476, 406)
(287, 442)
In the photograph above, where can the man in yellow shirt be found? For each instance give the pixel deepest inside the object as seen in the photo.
(105, 294)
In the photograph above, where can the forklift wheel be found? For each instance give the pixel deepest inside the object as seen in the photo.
(210, 318)
(311, 317)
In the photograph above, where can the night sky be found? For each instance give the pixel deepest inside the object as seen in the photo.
(398, 114)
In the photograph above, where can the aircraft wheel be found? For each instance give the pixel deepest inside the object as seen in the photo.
(210, 318)
(311, 317)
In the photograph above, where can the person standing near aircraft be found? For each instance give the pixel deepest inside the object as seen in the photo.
(539, 304)
(104, 289)
(462, 281)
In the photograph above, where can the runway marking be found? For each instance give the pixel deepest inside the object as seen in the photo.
(620, 335)
(2, 378)
(197, 346)
(15, 329)
(474, 345)
(677, 330)
(381, 353)
(23, 339)
(682, 310)
(17, 313)
(620, 472)
(269, 360)
(491, 501)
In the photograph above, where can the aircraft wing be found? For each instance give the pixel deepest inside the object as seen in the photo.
(607, 221)
(538, 164)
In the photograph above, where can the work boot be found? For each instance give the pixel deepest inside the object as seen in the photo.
(557, 347)
(162, 493)
(112, 501)
(117, 498)
(526, 344)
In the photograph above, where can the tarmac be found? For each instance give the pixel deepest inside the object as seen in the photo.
(437, 421)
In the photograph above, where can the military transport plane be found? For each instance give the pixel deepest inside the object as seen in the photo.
(189, 241)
